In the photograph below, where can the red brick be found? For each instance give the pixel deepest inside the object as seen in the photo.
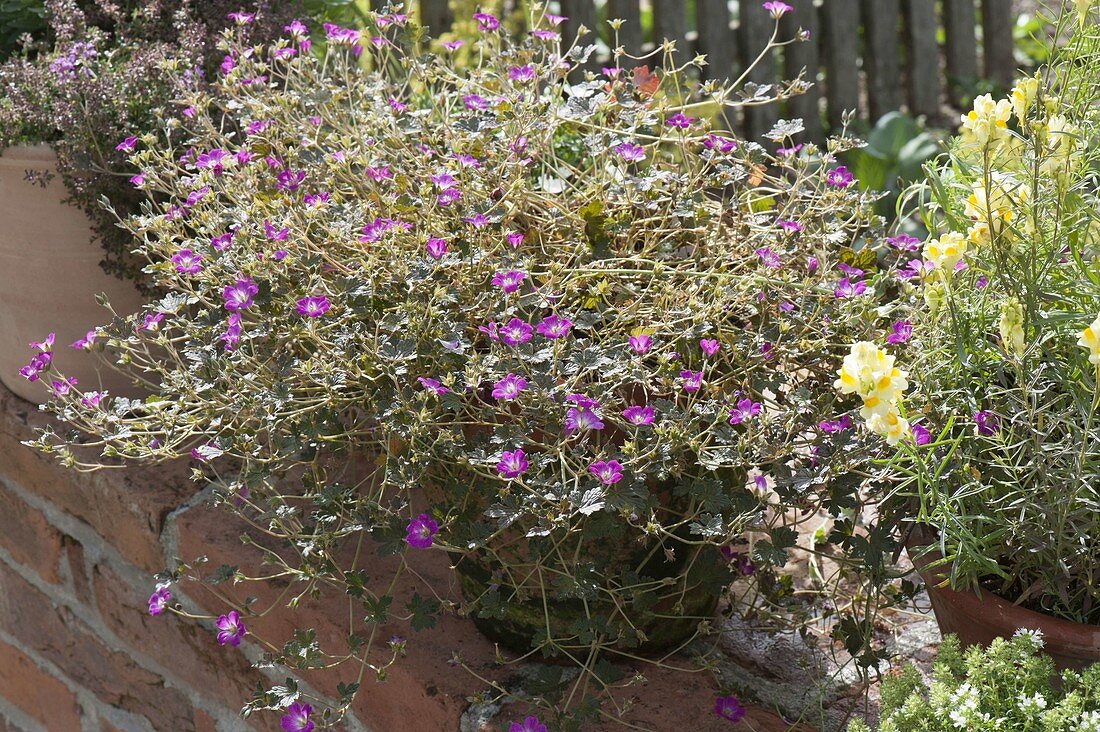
(53, 632)
(28, 537)
(127, 507)
(38, 694)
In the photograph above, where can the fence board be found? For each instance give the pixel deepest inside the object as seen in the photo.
(801, 55)
(840, 46)
(716, 38)
(580, 12)
(881, 39)
(437, 15)
(670, 22)
(922, 58)
(960, 49)
(998, 60)
(630, 32)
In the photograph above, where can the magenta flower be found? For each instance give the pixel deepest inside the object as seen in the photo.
(313, 306)
(297, 718)
(679, 120)
(777, 9)
(275, 234)
(187, 261)
(433, 386)
(767, 257)
(436, 248)
(126, 145)
(693, 380)
(45, 346)
(554, 327)
(721, 144)
(514, 238)
(581, 420)
(789, 150)
(607, 472)
(509, 281)
(230, 629)
(509, 387)
(904, 242)
(981, 283)
(522, 73)
(986, 423)
(151, 321)
(91, 399)
(746, 409)
(630, 153)
(420, 531)
(238, 296)
(467, 161)
(474, 101)
(486, 22)
(379, 173)
(901, 331)
(835, 425)
(453, 45)
(38, 364)
(709, 346)
(849, 270)
(512, 464)
(241, 18)
(137, 181)
(222, 241)
(846, 288)
(729, 707)
(316, 200)
(921, 435)
(232, 334)
(62, 387)
(791, 226)
(478, 221)
(640, 343)
(545, 35)
(289, 180)
(638, 416)
(448, 196)
(515, 332)
(839, 177)
(159, 600)
(530, 724)
(492, 330)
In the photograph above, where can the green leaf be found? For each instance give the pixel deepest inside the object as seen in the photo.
(424, 612)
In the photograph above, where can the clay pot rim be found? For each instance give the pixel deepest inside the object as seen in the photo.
(969, 600)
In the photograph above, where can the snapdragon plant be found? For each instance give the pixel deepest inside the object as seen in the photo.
(572, 334)
(997, 441)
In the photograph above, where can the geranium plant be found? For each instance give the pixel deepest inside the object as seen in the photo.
(997, 438)
(573, 335)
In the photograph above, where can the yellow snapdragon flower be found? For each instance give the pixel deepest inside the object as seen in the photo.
(1011, 326)
(890, 425)
(1062, 146)
(987, 122)
(1090, 339)
(1023, 96)
(945, 252)
(978, 234)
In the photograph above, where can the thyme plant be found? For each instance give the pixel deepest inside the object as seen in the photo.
(572, 334)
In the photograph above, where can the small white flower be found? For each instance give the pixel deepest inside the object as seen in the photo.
(1035, 636)
(1032, 704)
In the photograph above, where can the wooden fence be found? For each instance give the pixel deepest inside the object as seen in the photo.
(870, 56)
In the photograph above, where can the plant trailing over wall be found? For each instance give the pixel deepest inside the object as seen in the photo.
(571, 334)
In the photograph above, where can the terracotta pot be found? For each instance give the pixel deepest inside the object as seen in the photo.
(979, 619)
(49, 278)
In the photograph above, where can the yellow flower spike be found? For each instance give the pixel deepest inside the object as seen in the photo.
(1090, 339)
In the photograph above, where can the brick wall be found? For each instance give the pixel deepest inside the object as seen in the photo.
(79, 652)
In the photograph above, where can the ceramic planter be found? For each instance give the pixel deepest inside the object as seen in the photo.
(50, 276)
(979, 619)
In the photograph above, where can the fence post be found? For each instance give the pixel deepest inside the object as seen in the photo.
(756, 29)
(801, 55)
(922, 58)
(716, 38)
(630, 32)
(883, 74)
(961, 47)
(670, 22)
(437, 16)
(580, 12)
(840, 44)
(999, 62)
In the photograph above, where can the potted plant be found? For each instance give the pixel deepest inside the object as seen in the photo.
(997, 457)
(566, 333)
(1012, 685)
(71, 104)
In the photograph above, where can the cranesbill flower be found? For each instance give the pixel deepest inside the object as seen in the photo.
(767, 257)
(580, 420)
(900, 332)
(640, 343)
(629, 152)
(788, 225)
(289, 180)
(904, 242)
(159, 600)
(692, 380)
(512, 464)
(709, 346)
(986, 423)
(680, 121)
(151, 321)
(478, 221)
(745, 410)
(475, 102)
(420, 531)
(529, 724)
(297, 718)
(638, 416)
(522, 73)
(849, 270)
(467, 161)
(509, 281)
(839, 177)
(515, 332)
(433, 386)
(126, 145)
(554, 327)
(777, 9)
(448, 196)
(832, 426)
(230, 629)
(729, 707)
(607, 472)
(137, 181)
(379, 173)
(436, 248)
(721, 144)
(313, 306)
(39, 362)
(846, 288)
(238, 296)
(187, 261)
(61, 387)
(514, 238)
(545, 35)
(509, 387)
(921, 435)
(241, 18)
(316, 200)
(275, 234)
(486, 22)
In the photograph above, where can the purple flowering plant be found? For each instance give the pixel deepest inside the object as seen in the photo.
(574, 374)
